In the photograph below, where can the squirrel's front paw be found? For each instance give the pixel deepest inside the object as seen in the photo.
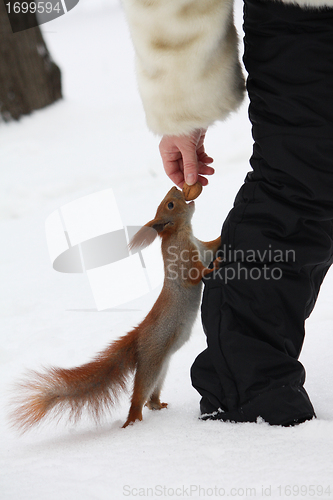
(217, 262)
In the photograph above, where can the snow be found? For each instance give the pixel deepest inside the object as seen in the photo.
(96, 138)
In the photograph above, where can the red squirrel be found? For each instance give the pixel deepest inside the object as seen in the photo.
(146, 350)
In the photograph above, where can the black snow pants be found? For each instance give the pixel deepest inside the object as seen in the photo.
(277, 240)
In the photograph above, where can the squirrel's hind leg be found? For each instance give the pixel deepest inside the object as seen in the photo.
(144, 383)
(154, 402)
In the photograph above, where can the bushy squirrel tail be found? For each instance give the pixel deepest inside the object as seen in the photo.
(94, 386)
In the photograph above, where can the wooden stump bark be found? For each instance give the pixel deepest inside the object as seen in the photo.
(29, 79)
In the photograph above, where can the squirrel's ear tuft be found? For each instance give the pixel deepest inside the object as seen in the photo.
(143, 238)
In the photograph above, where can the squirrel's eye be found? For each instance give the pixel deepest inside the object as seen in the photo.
(170, 205)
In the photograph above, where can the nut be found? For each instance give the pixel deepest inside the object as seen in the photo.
(192, 192)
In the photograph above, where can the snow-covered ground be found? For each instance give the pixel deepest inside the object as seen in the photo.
(96, 138)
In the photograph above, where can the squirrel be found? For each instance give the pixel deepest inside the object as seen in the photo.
(146, 350)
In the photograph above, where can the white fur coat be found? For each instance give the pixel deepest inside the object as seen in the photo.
(188, 68)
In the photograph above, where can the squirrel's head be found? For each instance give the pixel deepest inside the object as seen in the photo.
(172, 214)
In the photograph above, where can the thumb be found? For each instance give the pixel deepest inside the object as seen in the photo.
(190, 165)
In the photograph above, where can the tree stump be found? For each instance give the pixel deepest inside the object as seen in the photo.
(29, 79)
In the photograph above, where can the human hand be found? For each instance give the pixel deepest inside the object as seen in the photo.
(184, 158)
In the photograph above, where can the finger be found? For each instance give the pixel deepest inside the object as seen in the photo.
(174, 170)
(203, 156)
(206, 159)
(170, 163)
(205, 169)
(203, 181)
(190, 164)
(170, 167)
